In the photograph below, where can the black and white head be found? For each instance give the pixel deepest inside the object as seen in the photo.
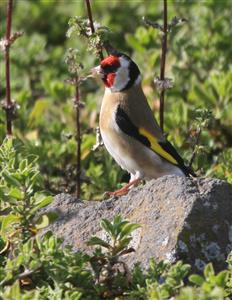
(118, 72)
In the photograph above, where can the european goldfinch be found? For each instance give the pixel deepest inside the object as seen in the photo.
(128, 128)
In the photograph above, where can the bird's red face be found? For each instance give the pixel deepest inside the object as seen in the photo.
(109, 67)
(118, 72)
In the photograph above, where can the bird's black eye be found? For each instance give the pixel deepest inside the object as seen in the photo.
(109, 69)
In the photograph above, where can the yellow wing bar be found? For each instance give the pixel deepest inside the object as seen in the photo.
(155, 146)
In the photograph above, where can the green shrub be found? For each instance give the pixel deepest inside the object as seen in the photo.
(198, 60)
(39, 267)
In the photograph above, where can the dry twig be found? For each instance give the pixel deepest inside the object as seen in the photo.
(88, 6)
(9, 106)
(162, 65)
(195, 147)
(78, 137)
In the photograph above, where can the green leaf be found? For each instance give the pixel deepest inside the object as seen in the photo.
(117, 220)
(196, 279)
(45, 219)
(42, 222)
(133, 42)
(42, 203)
(4, 246)
(10, 179)
(107, 226)
(16, 193)
(23, 164)
(128, 229)
(38, 110)
(13, 291)
(118, 227)
(96, 241)
(221, 278)
(52, 216)
(209, 270)
(122, 245)
(118, 224)
(8, 220)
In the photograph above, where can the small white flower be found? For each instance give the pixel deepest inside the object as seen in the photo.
(165, 84)
(96, 26)
(3, 44)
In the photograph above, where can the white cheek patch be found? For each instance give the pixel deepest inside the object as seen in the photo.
(124, 63)
(122, 76)
(121, 79)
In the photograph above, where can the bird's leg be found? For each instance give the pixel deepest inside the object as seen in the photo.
(124, 189)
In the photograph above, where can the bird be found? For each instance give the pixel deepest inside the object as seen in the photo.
(128, 128)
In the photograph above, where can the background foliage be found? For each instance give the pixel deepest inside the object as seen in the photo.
(42, 159)
(198, 60)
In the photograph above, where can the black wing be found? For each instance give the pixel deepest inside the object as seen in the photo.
(125, 124)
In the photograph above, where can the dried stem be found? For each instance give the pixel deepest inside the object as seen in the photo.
(88, 6)
(197, 140)
(90, 15)
(9, 105)
(78, 137)
(108, 49)
(20, 276)
(163, 61)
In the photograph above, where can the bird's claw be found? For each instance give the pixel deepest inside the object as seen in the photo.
(124, 190)
(114, 194)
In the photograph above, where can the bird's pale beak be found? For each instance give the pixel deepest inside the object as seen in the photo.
(97, 72)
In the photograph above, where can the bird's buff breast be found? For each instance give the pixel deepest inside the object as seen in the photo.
(112, 137)
(118, 148)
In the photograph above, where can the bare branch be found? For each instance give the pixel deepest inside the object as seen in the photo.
(176, 21)
(90, 15)
(161, 82)
(9, 104)
(20, 276)
(100, 54)
(197, 140)
(78, 138)
(74, 67)
(163, 61)
(5, 43)
(152, 24)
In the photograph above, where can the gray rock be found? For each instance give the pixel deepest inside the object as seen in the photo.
(180, 218)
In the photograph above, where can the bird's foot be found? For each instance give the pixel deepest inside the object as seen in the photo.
(124, 190)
